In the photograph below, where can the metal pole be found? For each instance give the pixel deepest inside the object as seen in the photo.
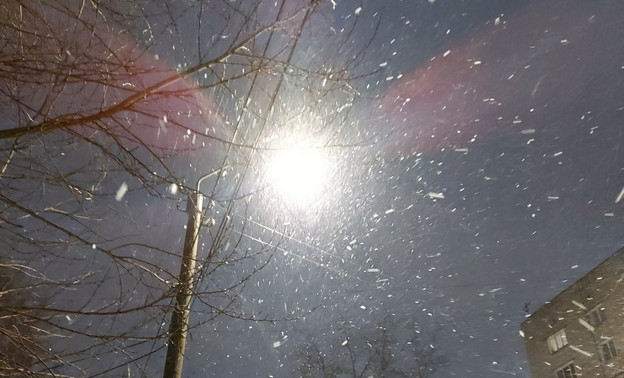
(178, 328)
(180, 316)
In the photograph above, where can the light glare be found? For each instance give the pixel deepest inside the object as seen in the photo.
(298, 174)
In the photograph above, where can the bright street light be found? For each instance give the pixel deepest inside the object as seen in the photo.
(299, 173)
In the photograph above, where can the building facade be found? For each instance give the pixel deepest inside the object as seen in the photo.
(580, 332)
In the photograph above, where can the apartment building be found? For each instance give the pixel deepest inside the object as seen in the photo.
(580, 332)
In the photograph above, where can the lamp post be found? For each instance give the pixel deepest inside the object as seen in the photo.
(179, 318)
(178, 328)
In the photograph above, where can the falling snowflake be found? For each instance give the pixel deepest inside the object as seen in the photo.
(121, 192)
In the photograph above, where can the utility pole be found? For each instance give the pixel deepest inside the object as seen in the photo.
(178, 328)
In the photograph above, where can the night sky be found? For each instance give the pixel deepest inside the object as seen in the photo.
(477, 178)
(529, 184)
(491, 187)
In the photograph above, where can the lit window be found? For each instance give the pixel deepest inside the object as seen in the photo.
(607, 350)
(597, 316)
(557, 341)
(568, 371)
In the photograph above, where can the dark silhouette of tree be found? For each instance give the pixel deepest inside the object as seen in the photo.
(111, 110)
(388, 349)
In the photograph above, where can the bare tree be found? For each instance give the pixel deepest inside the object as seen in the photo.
(385, 350)
(18, 349)
(110, 111)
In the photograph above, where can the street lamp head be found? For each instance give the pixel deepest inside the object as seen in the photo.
(298, 173)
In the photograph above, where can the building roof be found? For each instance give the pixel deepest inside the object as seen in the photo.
(597, 271)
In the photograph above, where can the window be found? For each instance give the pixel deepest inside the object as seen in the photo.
(568, 371)
(597, 316)
(557, 341)
(607, 350)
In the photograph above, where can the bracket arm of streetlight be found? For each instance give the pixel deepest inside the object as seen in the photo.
(202, 178)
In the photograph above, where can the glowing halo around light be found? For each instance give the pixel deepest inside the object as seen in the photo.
(298, 173)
